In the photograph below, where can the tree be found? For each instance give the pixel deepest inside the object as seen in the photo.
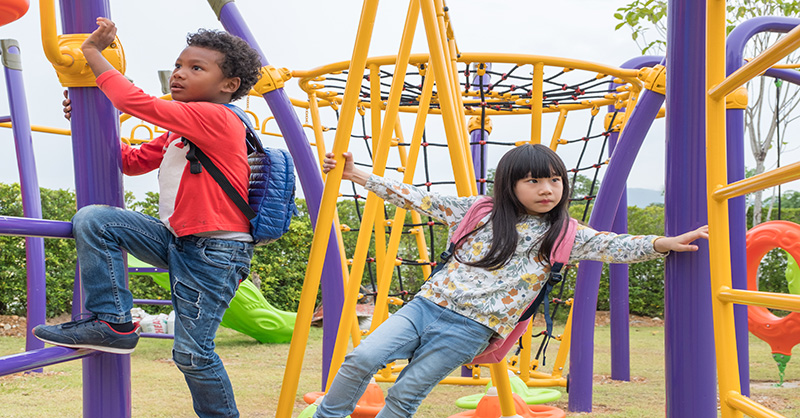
(764, 117)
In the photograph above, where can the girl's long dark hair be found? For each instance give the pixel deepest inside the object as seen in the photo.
(538, 161)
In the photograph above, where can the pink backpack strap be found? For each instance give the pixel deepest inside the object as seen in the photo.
(564, 244)
(479, 209)
(475, 213)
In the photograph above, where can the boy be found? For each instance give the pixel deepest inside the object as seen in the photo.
(202, 237)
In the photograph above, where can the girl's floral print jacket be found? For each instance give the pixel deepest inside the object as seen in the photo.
(497, 298)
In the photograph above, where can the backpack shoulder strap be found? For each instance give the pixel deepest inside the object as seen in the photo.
(559, 256)
(474, 214)
(195, 155)
(253, 141)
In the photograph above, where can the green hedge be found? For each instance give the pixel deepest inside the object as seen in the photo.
(280, 266)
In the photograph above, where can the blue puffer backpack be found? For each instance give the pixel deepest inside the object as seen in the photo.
(271, 203)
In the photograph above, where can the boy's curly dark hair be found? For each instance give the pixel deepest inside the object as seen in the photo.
(240, 60)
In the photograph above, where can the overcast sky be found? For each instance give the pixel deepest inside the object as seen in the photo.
(306, 34)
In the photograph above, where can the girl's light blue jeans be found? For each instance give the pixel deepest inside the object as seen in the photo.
(437, 340)
(204, 275)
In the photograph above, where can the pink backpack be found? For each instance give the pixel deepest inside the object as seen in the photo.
(498, 348)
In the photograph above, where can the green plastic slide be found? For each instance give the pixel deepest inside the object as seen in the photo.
(792, 275)
(249, 312)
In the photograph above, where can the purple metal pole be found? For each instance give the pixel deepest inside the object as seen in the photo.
(479, 156)
(619, 297)
(588, 280)
(480, 153)
(158, 336)
(310, 179)
(98, 179)
(29, 185)
(26, 227)
(688, 326)
(31, 202)
(737, 208)
(152, 302)
(36, 359)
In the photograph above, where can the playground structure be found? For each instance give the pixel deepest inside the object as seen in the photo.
(690, 376)
(781, 333)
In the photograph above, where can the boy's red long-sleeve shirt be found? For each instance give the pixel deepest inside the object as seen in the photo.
(200, 203)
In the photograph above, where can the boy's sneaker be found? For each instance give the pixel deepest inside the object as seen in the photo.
(89, 333)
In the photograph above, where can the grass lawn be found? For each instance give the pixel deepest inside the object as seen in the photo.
(257, 372)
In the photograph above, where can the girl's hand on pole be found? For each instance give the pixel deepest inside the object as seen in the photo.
(681, 242)
(349, 172)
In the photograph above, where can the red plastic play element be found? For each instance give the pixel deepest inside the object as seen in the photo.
(780, 333)
(367, 407)
(489, 407)
(11, 10)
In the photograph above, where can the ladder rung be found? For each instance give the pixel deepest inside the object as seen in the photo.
(750, 407)
(758, 182)
(782, 301)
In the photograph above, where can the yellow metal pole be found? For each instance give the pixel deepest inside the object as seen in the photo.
(761, 181)
(503, 384)
(373, 201)
(783, 301)
(330, 195)
(408, 176)
(537, 91)
(562, 119)
(719, 250)
(416, 219)
(452, 129)
(524, 359)
(451, 57)
(47, 19)
(761, 63)
(376, 105)
(39, 128)
(319, 140)
(316, 122)
(563, 346)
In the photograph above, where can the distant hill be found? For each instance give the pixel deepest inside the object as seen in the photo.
(644, 197)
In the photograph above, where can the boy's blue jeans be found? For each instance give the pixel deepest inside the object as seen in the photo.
(437, 340)
(204, 275)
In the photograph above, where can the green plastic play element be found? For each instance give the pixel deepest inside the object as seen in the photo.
(792, 275)
(252, 315)
(531, 396)
(782, 360)
(249, 313)
(309, 412)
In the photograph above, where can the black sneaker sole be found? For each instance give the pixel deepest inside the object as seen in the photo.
(104, 349)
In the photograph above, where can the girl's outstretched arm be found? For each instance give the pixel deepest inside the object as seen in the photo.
(350, 171)
(682, 242)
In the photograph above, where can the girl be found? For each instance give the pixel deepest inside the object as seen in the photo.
(496, 271)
